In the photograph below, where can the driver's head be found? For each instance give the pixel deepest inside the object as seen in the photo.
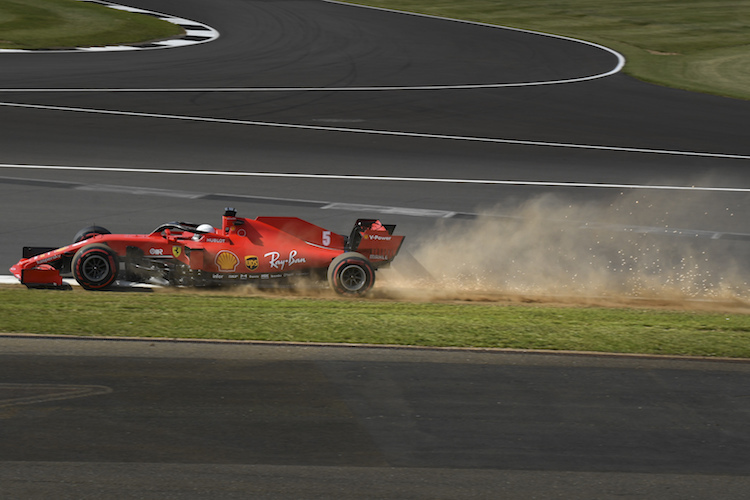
(202, 229)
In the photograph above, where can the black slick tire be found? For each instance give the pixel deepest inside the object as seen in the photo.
(351, 274)
(95, 267)
(88, 232)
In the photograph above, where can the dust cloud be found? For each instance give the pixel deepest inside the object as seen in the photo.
(633, 247)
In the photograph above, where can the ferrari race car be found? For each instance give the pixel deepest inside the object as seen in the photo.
(257, 250)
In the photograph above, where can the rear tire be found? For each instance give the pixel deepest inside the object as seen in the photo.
(351, 274)
(88, 232)
(95, 267)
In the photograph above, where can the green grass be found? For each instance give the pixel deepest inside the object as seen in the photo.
(49, 24)
(698, 45)
(222, 315)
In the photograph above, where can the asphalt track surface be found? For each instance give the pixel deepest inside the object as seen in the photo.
(144, 419)
(347, 423)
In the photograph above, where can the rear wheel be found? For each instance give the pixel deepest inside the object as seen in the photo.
(95, 267)
(88, 232)
(351, 274)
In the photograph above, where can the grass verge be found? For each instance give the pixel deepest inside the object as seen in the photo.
(697, 45)
(237, 316)
(54, 24)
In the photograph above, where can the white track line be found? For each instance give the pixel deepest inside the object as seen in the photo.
(490, 140)
(214, 34)
(49, 392)
(373, 178)
(618, 67)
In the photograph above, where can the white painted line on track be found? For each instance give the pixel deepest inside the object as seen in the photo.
(370, 209)
(419, 135)
(412, 212)
(382, 209)
(43, 393)
(12, 280)
(618, 67)
(165, 193)
(369, 178)
(301, 89)
(214, 34)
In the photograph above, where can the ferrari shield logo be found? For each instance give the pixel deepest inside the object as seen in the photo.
(176, 252)
(251, 262)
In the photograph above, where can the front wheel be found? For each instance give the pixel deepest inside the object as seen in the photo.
(351, 274)
(95, 267)
(88, 232)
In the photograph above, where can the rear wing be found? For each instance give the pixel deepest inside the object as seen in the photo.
(375, 241)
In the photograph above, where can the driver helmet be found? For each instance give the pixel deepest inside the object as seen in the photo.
(203, 228)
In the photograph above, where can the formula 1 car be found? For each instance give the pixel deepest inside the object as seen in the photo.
(264, 249)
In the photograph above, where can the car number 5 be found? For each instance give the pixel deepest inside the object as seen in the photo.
(326, 238)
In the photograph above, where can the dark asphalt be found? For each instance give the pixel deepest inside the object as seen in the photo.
(276, 422)
(487, 418)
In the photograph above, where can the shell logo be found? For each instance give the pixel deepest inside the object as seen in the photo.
(226, 261)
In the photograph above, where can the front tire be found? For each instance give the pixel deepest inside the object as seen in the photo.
(95, 267)
(88, 232)
(351, 274)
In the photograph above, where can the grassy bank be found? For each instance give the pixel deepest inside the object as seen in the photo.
(222, 315)
(50, 24)
(698, 45)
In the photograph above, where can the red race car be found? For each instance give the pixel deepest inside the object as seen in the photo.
(242, 250)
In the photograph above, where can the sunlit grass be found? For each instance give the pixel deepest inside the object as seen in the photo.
(234, 315)
(51, 24)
